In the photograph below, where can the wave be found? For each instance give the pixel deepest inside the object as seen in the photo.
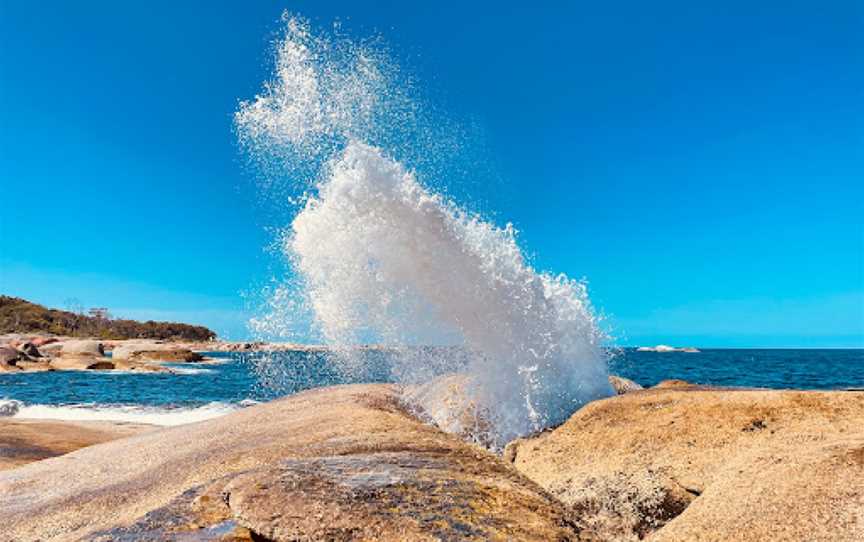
(154, 415)
(190, 370)
(379, 255)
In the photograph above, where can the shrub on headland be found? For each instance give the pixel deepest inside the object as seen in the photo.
(21, 316)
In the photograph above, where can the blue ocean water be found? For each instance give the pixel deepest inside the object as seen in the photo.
(758, 368)
(234, 381)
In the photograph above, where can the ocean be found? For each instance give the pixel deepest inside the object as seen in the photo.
(204, 390)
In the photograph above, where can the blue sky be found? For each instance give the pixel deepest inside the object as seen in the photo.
(700, 163)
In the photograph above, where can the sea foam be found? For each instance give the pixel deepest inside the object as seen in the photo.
(154, 415)
(379, 256)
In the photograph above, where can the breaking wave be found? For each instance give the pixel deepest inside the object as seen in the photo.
(380, 255)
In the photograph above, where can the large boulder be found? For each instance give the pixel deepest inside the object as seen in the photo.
(39, 342)
(82, 363)
(98, 363)
(623, 385)
(51, 349)
(9, 355)
(688, 463)
(82, 348)
(81, 355)
(342, 463)
(14, 360)
(9, 358)
(29, 349)
(151, 351)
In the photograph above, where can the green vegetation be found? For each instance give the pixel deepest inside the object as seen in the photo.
(21, 316)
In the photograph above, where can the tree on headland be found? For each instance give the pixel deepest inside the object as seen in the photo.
(75, 308)
(73, 305)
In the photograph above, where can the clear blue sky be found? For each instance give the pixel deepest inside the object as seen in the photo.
(700, 163)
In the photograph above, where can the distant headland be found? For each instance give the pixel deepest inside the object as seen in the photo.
(21, 316)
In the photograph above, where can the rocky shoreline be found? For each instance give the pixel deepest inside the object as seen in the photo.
(65, 354)
(31, 353)
(673, 462)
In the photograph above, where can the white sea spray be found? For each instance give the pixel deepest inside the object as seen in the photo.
(379, 256)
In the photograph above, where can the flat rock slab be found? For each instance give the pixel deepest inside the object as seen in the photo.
(346, 461)
(23, 441)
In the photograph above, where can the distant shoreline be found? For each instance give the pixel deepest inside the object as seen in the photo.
(220, 345)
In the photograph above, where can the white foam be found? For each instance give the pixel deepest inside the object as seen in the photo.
(381, 254)
(118, 413)
(190, 370)
(383, 257)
